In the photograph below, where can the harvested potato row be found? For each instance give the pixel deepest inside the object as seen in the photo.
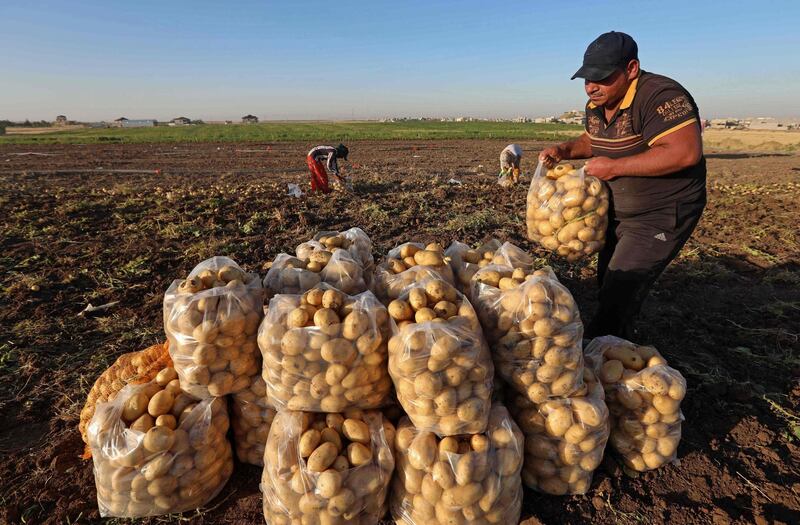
(567, 211)
(327, 469)
(325, 351)
(644, 397)
(467, 479)
(407, 256)
(293, 275)
(211, 319)
(439, 361)
(564, 439)
(534, 328)
(251, 417)
(157, 450)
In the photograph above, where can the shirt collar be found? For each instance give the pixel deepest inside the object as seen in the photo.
(627, 100)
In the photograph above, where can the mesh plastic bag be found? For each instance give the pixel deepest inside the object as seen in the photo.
(327, 468)
(251, 417)
(211, 319)
(411, 255)
(567, 211)
(463, 479)
(325, 351)
(157, 450)
(534, 328)
(133, 367)
(644, 397)
(292, 275)
(439, 361)
(564, 439)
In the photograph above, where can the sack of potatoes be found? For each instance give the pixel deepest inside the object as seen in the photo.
(410, 255)
(567, 211)
(133, 367)
(644, 397)
(325, 351)
(465, 479)
(390, 287)
(534, 328)
(327, 469)
(293, 275)
(158, 450)
(354, 240)
(465, 261)
(251, 417)
(211, 319)
(439, 361)
(564, 439)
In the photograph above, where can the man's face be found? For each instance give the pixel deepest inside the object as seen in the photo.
(609, 91)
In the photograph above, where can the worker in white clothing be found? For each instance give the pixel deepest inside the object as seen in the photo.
(510, 159)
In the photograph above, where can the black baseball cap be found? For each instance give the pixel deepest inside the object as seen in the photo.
(609, 52)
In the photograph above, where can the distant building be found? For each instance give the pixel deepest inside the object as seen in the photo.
(180, 121)
(61, 120)
(249, 119)
(123, 122)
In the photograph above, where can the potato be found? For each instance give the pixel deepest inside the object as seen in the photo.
(356, 430)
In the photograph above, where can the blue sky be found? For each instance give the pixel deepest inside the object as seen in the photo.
(96, 60)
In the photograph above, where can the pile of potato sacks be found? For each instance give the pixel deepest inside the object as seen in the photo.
(310, 383)
(567, 211)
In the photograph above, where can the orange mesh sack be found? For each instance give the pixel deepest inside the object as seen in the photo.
(133, 367)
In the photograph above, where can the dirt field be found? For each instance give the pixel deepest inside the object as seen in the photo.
(726, 314)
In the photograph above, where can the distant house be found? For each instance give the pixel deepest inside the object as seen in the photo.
(180, 121)
(249, 119)
(119, 122)
(61, 120)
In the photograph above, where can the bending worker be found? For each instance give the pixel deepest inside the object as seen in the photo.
(328, 155)
(643, 138)
(510, 158)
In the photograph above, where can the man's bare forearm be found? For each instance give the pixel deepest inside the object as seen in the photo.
(579, 148)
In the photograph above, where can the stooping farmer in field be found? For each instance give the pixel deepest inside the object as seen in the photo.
(328, 155)
(510, 158)
(643, 137)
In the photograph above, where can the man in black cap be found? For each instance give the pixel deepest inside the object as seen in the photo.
(643, 139)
